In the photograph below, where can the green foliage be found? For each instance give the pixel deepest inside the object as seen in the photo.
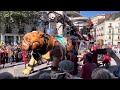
(18, 17)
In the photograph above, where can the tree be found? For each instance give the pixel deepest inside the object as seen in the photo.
(19, 18)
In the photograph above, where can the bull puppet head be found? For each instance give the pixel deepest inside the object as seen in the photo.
(33, 40)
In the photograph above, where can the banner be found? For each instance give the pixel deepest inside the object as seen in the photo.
(83, 46)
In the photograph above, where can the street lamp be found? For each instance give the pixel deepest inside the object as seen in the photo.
(111, 27)
(112, 35)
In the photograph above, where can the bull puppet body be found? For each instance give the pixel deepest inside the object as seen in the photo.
(46, 46)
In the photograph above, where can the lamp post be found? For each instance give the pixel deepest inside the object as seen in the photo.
(111, 27)
(112, 35)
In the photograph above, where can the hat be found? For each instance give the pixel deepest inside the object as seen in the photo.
(66, 65)
(6, 75)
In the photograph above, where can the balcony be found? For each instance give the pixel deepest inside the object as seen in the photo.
(117, 27)
(116, 39)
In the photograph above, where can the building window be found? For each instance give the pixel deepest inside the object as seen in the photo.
(110, 24)
(101, 34)
(118, 37)
(109, 30)
(118, 30)
(118, 43)
(102, 28)
(109, 37)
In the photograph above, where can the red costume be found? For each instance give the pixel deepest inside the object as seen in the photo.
(25, 57)
(4, 54)
(90, 37)
(107, 59)
(95, 47)
(94, 57)
(94, 54)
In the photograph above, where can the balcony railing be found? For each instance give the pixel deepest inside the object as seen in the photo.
(117, 27)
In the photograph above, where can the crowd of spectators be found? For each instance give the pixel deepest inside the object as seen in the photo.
(10, 53)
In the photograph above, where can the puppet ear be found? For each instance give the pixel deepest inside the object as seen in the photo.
(45, 36)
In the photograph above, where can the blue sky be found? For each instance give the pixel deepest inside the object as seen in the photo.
(90, 14)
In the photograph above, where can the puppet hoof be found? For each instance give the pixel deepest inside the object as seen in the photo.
(27, 71)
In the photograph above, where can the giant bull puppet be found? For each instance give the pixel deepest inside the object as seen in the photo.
(40, 44)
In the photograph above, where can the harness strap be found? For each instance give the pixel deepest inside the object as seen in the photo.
(30, 65)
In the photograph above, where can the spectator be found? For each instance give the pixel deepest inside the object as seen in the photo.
(95, 57)
(106, 60)
(19, 55)
(88, 67)
(6, 75)
(10, 55)
(15, 56)
(66, 68)
(3, 57)
(101, 73)
(116, 72)
(25, 57)
(45, 76)
(73, 57)
(83, 56)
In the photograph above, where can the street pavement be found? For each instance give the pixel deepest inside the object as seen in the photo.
(17, 68)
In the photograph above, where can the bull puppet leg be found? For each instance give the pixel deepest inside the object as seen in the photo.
(55, 63)
(28, 70)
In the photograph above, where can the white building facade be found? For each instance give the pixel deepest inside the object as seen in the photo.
(109, 31)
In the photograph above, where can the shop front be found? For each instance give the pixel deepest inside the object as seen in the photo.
(10, 38)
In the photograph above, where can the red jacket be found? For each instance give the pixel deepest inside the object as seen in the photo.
(107, 58)
(95, 47)
(24, 57)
